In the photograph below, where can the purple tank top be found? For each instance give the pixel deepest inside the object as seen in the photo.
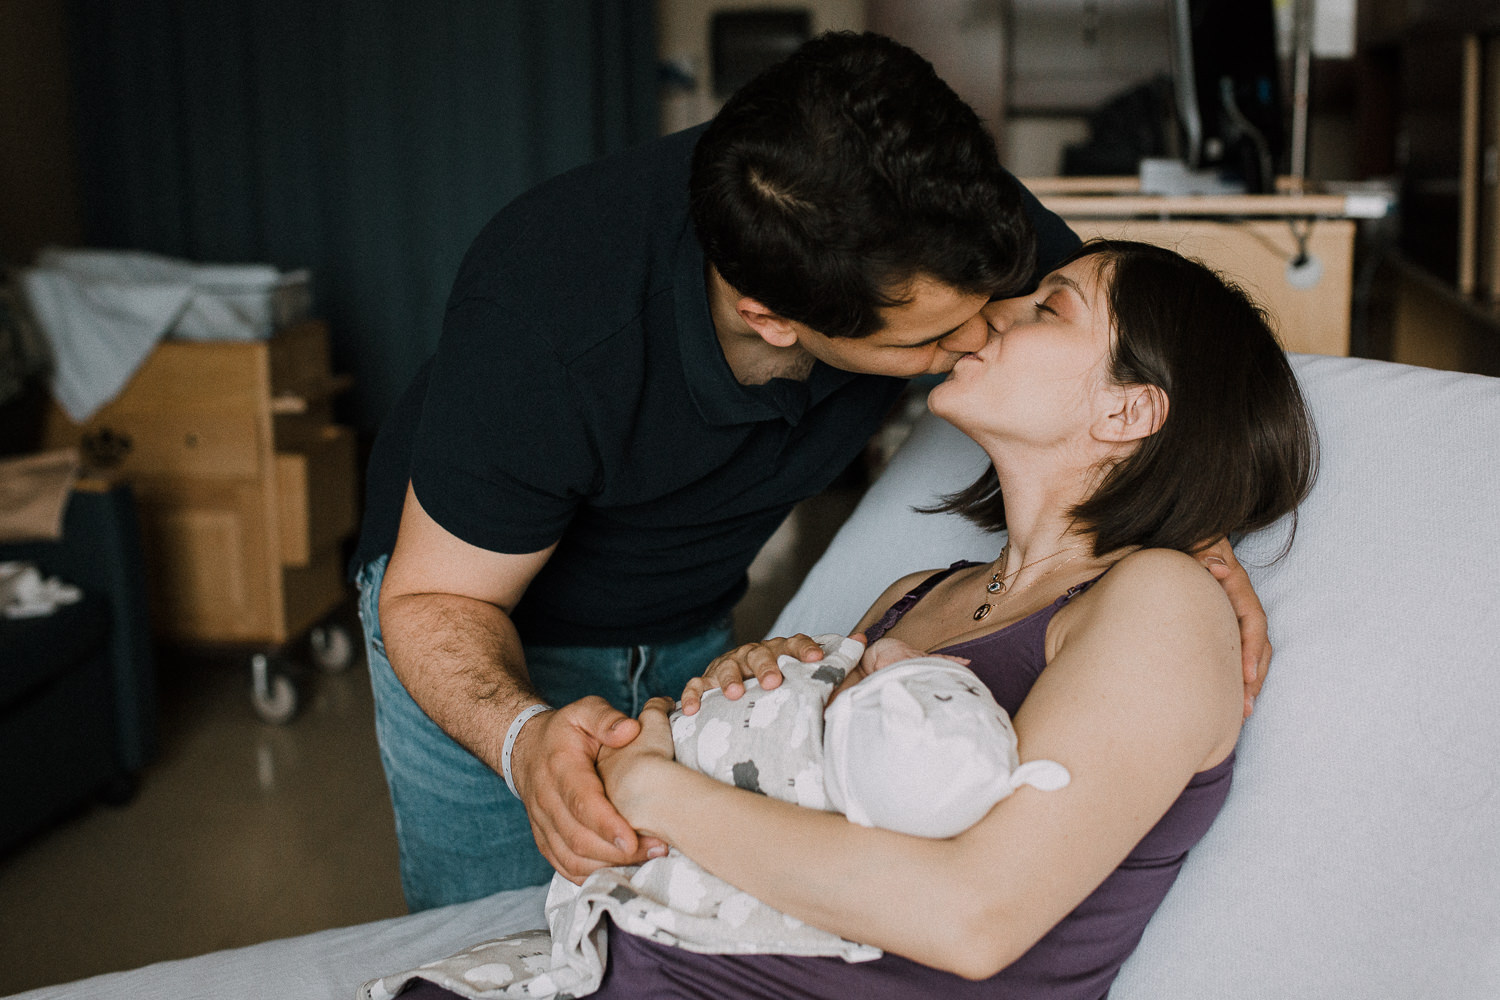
(1076, 960)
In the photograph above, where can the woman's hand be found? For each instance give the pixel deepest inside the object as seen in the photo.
(628, 772)
(754, 659)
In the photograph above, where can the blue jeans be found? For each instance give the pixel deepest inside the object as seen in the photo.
(462, 835)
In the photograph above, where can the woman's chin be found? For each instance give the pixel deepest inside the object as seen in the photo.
(943, 396)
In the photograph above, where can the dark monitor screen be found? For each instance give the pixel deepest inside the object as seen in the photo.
(1228, 88)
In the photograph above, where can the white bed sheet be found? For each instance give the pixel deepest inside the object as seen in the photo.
(328, 965)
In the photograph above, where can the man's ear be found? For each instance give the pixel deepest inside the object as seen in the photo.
(1138, 412)
(772, 327)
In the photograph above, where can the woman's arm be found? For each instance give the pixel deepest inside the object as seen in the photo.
(1142, 690)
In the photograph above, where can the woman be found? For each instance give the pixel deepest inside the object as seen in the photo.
(1133, 408)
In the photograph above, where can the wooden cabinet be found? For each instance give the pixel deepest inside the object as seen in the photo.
(1255, 239)
(1310, 316)
(246, 487)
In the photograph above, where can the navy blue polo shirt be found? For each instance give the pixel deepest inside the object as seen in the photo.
(579, 395)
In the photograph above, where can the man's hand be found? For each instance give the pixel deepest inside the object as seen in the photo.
(1255, 636)
(753, 659)
(553, 763)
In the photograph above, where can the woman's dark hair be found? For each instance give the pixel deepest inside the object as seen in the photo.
(833, 179)
(1237, 450)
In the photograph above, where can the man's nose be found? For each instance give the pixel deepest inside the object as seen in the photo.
(967, 338)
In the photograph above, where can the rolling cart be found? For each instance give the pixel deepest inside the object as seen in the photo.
(247, 491)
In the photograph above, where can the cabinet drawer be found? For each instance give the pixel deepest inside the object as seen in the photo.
(197, 445)
(316, 496)
(211, 573)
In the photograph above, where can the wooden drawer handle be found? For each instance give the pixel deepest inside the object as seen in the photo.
(298, 402)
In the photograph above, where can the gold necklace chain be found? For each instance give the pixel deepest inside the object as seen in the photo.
(998, 584)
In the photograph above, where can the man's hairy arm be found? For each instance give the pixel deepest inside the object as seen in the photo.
(445, 615)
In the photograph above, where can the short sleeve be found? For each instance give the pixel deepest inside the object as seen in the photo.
(502, 457)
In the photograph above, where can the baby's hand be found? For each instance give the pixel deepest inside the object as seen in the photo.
(882, 653)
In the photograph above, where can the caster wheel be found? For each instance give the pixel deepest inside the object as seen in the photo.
(332, 648)
(272, 693)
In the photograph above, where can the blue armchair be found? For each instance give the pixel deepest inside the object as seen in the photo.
(77, 687)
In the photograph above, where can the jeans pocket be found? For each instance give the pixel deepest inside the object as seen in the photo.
(368, 583)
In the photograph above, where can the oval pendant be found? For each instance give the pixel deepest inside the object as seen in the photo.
(983, 610)
(995, 587)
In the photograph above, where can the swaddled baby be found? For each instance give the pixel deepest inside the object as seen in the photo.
(919, 747)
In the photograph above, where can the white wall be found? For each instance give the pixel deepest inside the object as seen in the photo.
(1030, 144)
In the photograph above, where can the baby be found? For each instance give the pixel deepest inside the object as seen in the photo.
(918, 745)
(915, 744)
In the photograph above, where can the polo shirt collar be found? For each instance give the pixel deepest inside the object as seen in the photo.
(720, 399)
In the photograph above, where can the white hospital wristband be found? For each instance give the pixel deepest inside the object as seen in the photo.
(510, 742)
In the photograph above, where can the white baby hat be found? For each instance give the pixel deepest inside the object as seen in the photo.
(922, 747)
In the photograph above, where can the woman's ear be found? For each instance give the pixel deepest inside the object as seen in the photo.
(1139, 412)
(773, 328)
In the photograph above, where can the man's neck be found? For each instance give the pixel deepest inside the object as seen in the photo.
(750, 358)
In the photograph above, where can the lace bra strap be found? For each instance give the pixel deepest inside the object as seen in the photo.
(895, 611)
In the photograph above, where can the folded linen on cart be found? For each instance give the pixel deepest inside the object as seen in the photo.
(102, 312)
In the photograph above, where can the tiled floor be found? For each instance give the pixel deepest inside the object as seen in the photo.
(244, 831)
(241, 831)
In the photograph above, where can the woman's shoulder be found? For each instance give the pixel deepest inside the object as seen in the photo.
(902, 586)
(1157, 630)
(1154, 595)
(1148, 576)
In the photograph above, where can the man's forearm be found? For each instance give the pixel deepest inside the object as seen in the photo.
(461, 661)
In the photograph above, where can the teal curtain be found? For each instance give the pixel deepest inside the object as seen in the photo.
(367, 140)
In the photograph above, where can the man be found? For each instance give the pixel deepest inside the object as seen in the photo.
(645, 363)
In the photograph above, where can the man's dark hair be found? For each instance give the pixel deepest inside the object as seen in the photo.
(833, 179)
(1237, 450)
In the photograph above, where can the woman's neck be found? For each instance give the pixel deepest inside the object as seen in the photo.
(1040, 490)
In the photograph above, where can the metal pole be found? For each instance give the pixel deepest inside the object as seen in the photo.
(1302, 22)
